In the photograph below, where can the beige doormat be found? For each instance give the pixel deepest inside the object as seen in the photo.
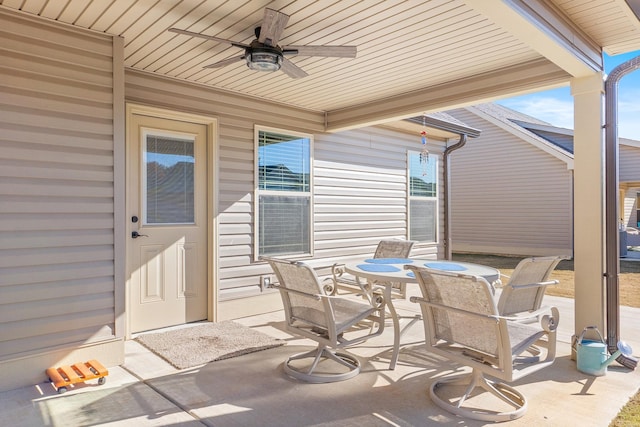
(196, 345)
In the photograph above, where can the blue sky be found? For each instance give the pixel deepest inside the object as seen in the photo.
(556, 106)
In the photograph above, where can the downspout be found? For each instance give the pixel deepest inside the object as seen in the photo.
(445, 166)
(611, 210)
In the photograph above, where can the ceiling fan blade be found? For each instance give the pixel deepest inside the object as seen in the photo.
(204, 36)
(292, 70)
(272, 27)
(225, 62)
(327, 51)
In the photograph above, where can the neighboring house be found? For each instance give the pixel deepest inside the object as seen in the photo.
(512, 188)
(92, 254)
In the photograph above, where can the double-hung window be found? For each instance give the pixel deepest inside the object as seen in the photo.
(423, 198)
(283, 195)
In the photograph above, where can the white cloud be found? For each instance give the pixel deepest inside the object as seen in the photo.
(629, 125)
(553, 110)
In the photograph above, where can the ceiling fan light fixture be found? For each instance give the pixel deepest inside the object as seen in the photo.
(264, 59)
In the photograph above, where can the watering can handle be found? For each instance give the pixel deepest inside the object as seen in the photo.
(595, 328)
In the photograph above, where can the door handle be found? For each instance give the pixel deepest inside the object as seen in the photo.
(135, 235)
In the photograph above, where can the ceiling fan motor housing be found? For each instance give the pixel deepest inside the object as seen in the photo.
(263, 58)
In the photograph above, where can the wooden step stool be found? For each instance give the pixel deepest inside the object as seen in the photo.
(63, 376)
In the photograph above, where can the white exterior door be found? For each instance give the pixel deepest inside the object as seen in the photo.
(167, 205)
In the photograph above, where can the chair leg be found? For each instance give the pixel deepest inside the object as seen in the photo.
(403, 290)
(503, 391)
(309, 374)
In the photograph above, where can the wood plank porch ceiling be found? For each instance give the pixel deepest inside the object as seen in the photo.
(413, 56)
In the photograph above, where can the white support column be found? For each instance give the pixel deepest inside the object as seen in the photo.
(589, 202)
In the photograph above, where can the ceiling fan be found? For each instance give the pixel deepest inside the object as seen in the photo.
(264, 54)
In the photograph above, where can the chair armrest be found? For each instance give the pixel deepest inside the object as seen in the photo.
(337, 271)
(548, 316)
(376, 300)
(349, 281)
(548, 321)
(420, 300)
(535, 285)
(328, 284)
(498, 284)
(317, 297)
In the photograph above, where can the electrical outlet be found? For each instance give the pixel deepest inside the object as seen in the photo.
(265, 282)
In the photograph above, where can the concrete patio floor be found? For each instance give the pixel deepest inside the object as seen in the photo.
(252, 390)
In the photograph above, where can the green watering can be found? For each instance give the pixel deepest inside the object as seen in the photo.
(592, 355)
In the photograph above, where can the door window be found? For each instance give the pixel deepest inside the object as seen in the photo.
(168, 186)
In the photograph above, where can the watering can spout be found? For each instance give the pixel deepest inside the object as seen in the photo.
(611, 358)
(623, 348)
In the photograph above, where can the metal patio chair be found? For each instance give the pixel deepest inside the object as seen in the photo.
(330, 320)
(462, 324)
(389, 248)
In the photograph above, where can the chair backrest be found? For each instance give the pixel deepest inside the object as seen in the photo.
(467, 302)
(528, 271)
(462, 325)
(300, 289)
(394, 248)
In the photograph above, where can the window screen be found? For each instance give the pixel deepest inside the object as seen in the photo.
(284, 225)
(422, 220)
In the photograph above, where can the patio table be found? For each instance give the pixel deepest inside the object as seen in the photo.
(386, 271)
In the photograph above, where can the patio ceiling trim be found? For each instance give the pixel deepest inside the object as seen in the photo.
(534, 75)
(546, 30)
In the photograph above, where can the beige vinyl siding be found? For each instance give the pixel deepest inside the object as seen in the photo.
(629, 177)
(629, 163)
(508, 196)
(359, 178)
(57, 198)
(630, 206)
(360, 193)
(630, 214)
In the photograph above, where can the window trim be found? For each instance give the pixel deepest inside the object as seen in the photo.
(257, 191)
(437, 158)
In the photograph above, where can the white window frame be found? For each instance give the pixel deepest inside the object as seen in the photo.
(258, 192)
(436, 158)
